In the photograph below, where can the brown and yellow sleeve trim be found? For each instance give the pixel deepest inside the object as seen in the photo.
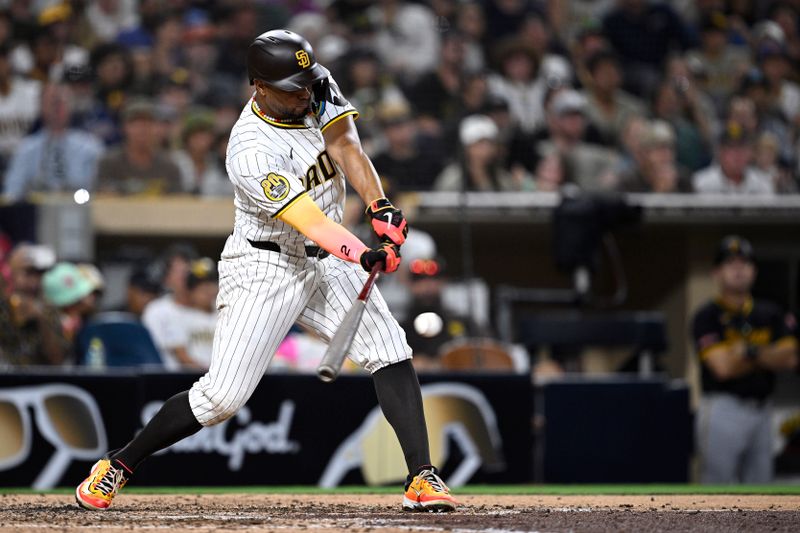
(288, 204)
(352, 112)
(786, 341)
(705, 351)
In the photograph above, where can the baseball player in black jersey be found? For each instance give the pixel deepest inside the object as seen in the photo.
(742, 343)
(290, 260)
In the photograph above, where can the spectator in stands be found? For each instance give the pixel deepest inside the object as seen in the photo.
(57, 157)
(201, 173)
(520, 84)
(112, 69)
(551, 172)
(168, 53)
(407, 163)
(68, 290)
(475, 96)
(678, 102)
(200, 51)
(139, 166)
(742, 343)
(732, 172)
(480, 167)
(723, 63)
(140, 45)
(643, 34)
(435, 94)
(589, 40)
(30, 329)
(591, 166)
(785, 16)
(608, 106)
(175, 95)
(633, 131)
(369, 88)
(471, 25)
(756, 116)
(658, 171)
(505, 17)
(19, 106)
(174, 266)
(96, 279)
(56, 48)
(183, 325)
(783, 93)
(107, 18)
(406, 37)
(144, 286)
(767, 160)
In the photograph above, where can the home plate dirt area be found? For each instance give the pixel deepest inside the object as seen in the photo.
(382, 513)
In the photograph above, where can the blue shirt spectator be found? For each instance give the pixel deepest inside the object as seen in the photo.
(56, 158)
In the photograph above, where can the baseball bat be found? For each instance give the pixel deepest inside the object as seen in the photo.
(331, 363)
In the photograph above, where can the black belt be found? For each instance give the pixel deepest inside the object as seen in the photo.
(311, 251)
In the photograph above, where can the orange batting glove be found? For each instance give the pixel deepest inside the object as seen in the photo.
(386, 253)
(388, 222)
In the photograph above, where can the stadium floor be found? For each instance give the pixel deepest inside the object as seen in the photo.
(361, 511)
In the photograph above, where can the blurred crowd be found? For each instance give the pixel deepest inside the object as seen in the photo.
(60, 313)
(138, 96)
(52, 312)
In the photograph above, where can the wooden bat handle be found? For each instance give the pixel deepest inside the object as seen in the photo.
(364, 294)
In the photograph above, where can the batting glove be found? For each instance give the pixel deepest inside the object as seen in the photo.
(388, 222)
(386, 253)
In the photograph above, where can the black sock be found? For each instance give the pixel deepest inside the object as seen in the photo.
(173, 422)
(398, 393)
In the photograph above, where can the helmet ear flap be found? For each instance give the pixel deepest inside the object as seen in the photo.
(320, 92)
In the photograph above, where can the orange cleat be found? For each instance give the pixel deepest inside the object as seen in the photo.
(103, 483)
(427, 492)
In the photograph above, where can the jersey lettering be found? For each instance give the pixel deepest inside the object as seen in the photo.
(323, 170)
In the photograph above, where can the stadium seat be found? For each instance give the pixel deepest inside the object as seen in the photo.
(116, 340)
(476, 354)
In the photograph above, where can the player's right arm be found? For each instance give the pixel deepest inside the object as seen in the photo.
(268, 181)
(308, 219)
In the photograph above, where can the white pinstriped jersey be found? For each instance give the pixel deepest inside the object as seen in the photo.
(272, 164)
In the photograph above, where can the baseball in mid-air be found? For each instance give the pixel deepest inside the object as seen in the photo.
(428, 324)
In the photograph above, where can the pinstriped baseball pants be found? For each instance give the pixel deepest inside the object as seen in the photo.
(262, 293)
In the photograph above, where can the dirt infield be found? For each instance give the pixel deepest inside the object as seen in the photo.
(381, 513)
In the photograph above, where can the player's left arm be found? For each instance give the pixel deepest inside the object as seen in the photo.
(781, 354)
(344, 146)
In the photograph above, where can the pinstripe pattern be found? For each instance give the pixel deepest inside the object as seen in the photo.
(262, 293)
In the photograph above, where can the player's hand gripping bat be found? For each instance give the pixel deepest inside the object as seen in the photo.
(331, 363)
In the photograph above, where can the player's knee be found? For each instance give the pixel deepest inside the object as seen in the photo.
(218, 406)
(226, 408)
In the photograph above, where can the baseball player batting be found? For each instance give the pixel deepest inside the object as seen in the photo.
(290, 260)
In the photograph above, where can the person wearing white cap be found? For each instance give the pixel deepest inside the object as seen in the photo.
(590, 165)
(480, 167)
(30, 331)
